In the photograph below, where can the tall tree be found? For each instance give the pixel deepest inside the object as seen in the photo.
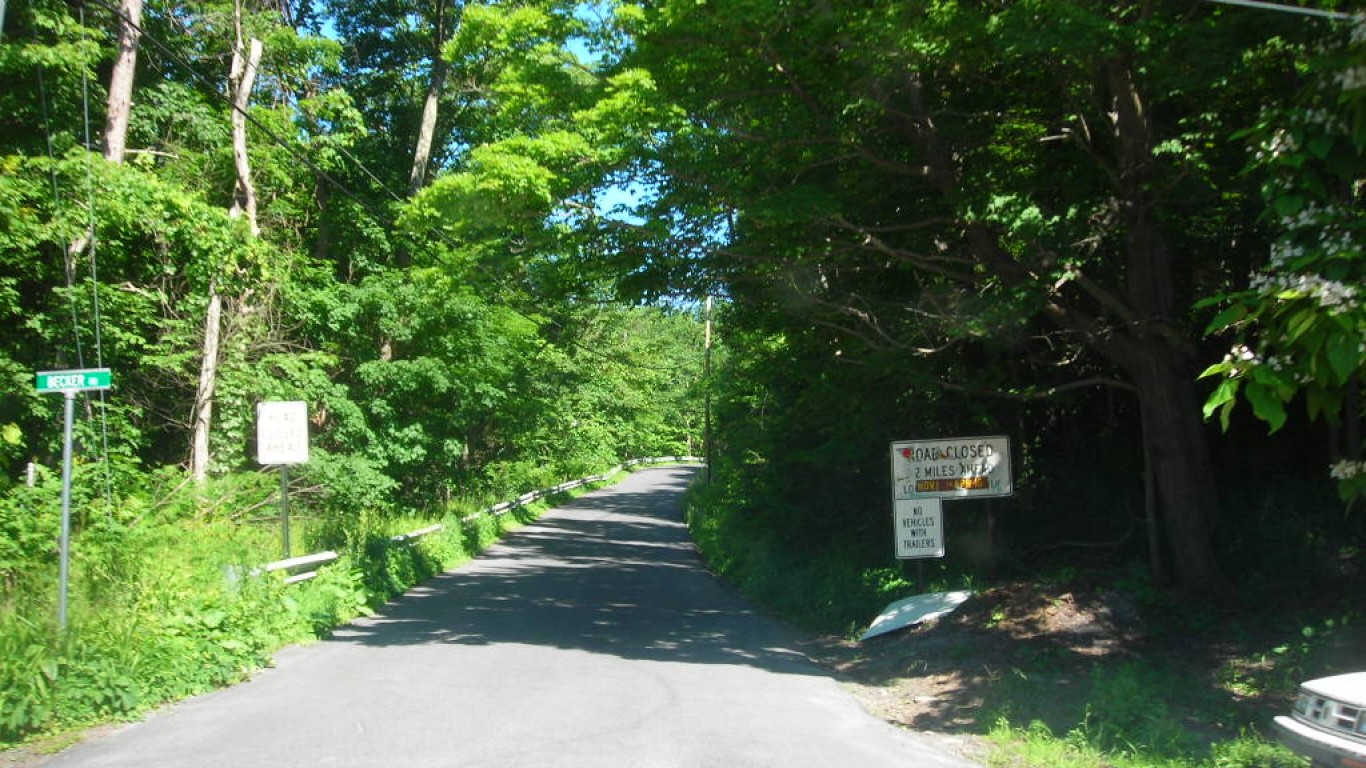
(394, 69)
(119, 104)
(1043, 176)
(120, 101)
(426, 132)
(246, 58)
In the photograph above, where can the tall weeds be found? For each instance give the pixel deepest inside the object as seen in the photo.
(167, 598)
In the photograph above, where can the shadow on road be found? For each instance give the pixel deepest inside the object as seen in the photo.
(610, 573)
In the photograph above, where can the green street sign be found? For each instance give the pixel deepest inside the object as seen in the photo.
(74, 381)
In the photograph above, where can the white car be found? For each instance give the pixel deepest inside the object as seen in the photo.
(1328, 722)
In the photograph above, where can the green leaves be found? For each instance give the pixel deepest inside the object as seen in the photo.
(28, 672)
(1267, 403)
(513, 183)
(1224, 396)
(1303, 309)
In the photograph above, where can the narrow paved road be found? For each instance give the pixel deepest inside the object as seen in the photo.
(593, 638)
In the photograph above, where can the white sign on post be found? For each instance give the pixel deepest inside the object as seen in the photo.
(952, 468)
(282, 432)
(919, 528)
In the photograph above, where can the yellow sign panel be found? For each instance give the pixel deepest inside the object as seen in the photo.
(958, 484)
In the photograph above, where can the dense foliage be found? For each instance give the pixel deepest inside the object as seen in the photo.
(1038, 219)
(476, 237)
(259, 235)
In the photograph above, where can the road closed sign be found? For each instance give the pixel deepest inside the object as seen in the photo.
(951, 468)
(919, 528)
(282, 432)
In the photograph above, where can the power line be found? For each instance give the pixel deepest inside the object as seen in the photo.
(57, 209)
(91, 245)
(1258, 4)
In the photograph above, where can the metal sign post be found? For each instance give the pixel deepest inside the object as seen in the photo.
(68, 383)
(925, 473)
(284, 509)
(64, 557)
(282, 439)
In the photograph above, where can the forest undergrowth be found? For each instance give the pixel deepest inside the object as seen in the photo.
(1063, 665)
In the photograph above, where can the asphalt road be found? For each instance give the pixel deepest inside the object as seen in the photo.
(594, 637)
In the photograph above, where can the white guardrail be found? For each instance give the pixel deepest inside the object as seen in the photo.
(319, 559)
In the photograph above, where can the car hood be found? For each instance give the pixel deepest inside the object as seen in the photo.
(1348, 689)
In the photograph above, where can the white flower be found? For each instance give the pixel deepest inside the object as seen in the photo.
(1331, 295)
(1280, 363)
(1282, 142)
(1353, 78)
(1347, 469)
(1282, 252)
(1322, 118)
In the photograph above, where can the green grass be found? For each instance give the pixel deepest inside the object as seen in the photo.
(1036, 746)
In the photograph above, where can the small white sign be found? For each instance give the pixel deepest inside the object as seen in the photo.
(952, 468)
(919, 528)
(914, 610)
(282, 432)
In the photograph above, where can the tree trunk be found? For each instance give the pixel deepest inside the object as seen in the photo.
(242, 78)
(1182, 473)
(322, 240)
(240, 81)
(422, 153)
(208, 378)
(1151, 349)
(426, 135)
(120, 102)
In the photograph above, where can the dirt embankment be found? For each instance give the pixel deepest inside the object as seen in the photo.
(1034, 652)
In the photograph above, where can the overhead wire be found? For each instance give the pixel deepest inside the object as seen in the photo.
(57, 205)
(1283, 8)
(91, 247)
(69, 250)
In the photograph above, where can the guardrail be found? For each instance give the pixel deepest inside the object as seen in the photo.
(296, 563)
(319, 559)
(499, 510)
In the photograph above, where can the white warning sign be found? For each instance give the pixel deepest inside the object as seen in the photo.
(919, 528)
(282, 432)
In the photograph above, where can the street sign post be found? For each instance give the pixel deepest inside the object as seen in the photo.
(68, 383)
(282, 438)
(926, 472)
(74, 381)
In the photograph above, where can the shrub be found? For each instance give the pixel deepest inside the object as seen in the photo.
(1253, 751)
